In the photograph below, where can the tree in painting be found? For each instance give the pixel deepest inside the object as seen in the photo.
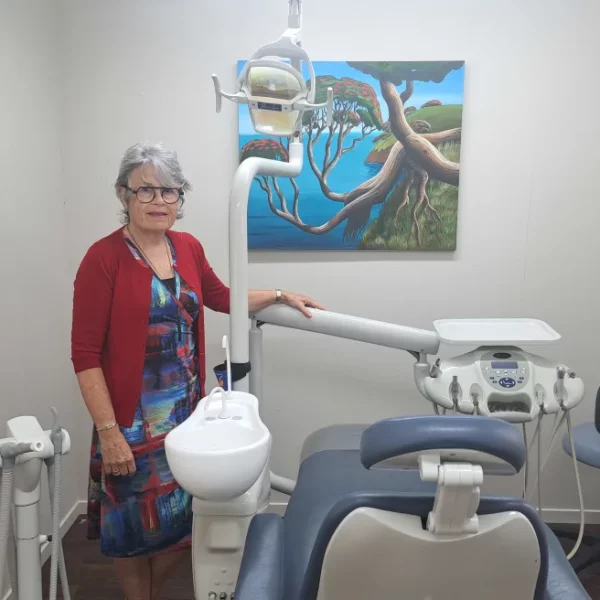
(415, 190)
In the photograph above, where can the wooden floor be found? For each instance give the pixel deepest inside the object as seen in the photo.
(91, 575)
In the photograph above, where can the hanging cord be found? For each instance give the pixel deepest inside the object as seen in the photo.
(581, 507)
(561, 419)
(525, 483)
(12, 560)
(537, 437)
(539, 464)
(54, 466)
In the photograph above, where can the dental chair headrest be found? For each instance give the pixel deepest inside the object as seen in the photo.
(399, 436)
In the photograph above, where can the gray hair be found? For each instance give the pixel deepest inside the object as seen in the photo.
(165, 163)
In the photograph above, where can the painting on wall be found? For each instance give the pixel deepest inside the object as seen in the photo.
(383, 176)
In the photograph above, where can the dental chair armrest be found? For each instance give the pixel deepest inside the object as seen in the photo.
(392, 438)
(261, 571)
(562, 580)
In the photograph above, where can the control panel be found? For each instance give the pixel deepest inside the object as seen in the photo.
(505, 371)
(503, 382)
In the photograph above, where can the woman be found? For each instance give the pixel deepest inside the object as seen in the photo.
(138, 351)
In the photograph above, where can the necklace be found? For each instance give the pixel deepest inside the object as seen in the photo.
(150, 263)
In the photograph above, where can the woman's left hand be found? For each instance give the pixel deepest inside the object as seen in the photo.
(299, 302)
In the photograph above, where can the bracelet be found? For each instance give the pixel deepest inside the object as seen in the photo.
(106, 427)
(278, 297)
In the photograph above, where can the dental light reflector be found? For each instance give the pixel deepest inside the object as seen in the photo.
(273, 87)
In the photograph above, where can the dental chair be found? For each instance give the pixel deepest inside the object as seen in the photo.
(586, 440)
(401, 517)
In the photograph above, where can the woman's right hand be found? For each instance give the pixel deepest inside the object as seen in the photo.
(117, 457)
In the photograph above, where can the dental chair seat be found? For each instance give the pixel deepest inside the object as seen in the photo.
(281, 558)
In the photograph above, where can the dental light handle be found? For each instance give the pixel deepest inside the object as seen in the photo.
(218, 92)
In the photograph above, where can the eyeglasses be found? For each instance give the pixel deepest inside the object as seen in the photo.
(147, 193)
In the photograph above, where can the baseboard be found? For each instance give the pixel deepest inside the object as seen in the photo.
(78, 509)
(570, 515)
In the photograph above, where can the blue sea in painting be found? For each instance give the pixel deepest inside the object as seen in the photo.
(267, 231)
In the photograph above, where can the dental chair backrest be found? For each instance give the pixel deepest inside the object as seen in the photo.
(414, 546)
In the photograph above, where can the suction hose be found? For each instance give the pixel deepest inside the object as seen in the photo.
(12, 563)
(8, 465)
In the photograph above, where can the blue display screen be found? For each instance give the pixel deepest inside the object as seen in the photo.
(505, 365)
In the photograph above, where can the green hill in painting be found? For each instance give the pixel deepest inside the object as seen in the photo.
(441, 118)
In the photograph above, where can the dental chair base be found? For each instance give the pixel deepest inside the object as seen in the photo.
(218, 538)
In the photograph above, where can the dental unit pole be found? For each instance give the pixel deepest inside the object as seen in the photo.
(22, 455)
(238, 248)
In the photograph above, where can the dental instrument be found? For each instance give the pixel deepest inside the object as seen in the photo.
(22, 455)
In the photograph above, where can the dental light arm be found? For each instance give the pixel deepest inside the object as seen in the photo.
(353, 328)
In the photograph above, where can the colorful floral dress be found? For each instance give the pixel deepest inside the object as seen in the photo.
(149, 513)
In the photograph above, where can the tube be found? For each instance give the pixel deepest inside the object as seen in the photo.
(256, 360)
(525, 483)
(579, 491)
(54, 484)
(8, 465)
(12, 561)
(282, 484)
(558, 421)
(55, 534)
(57, 564)
(539, 464)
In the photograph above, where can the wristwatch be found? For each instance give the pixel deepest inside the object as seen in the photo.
(278, 297)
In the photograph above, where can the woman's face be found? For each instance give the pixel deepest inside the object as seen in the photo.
(155, 215)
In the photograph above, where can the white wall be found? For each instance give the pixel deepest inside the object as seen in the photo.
(140, 70)
(35, 300)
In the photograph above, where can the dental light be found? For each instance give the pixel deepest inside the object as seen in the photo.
(272, 84)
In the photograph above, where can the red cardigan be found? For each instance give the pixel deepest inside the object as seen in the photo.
(111, 305)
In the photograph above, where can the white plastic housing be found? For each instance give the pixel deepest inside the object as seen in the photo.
(379, 554)
(495, 332)
(238, 245)
(512, 394)
(219, 459)
(353, 328)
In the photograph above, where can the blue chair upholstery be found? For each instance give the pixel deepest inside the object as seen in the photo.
(262, 575)
(586, 439)
(404, 435)
(288, 553)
